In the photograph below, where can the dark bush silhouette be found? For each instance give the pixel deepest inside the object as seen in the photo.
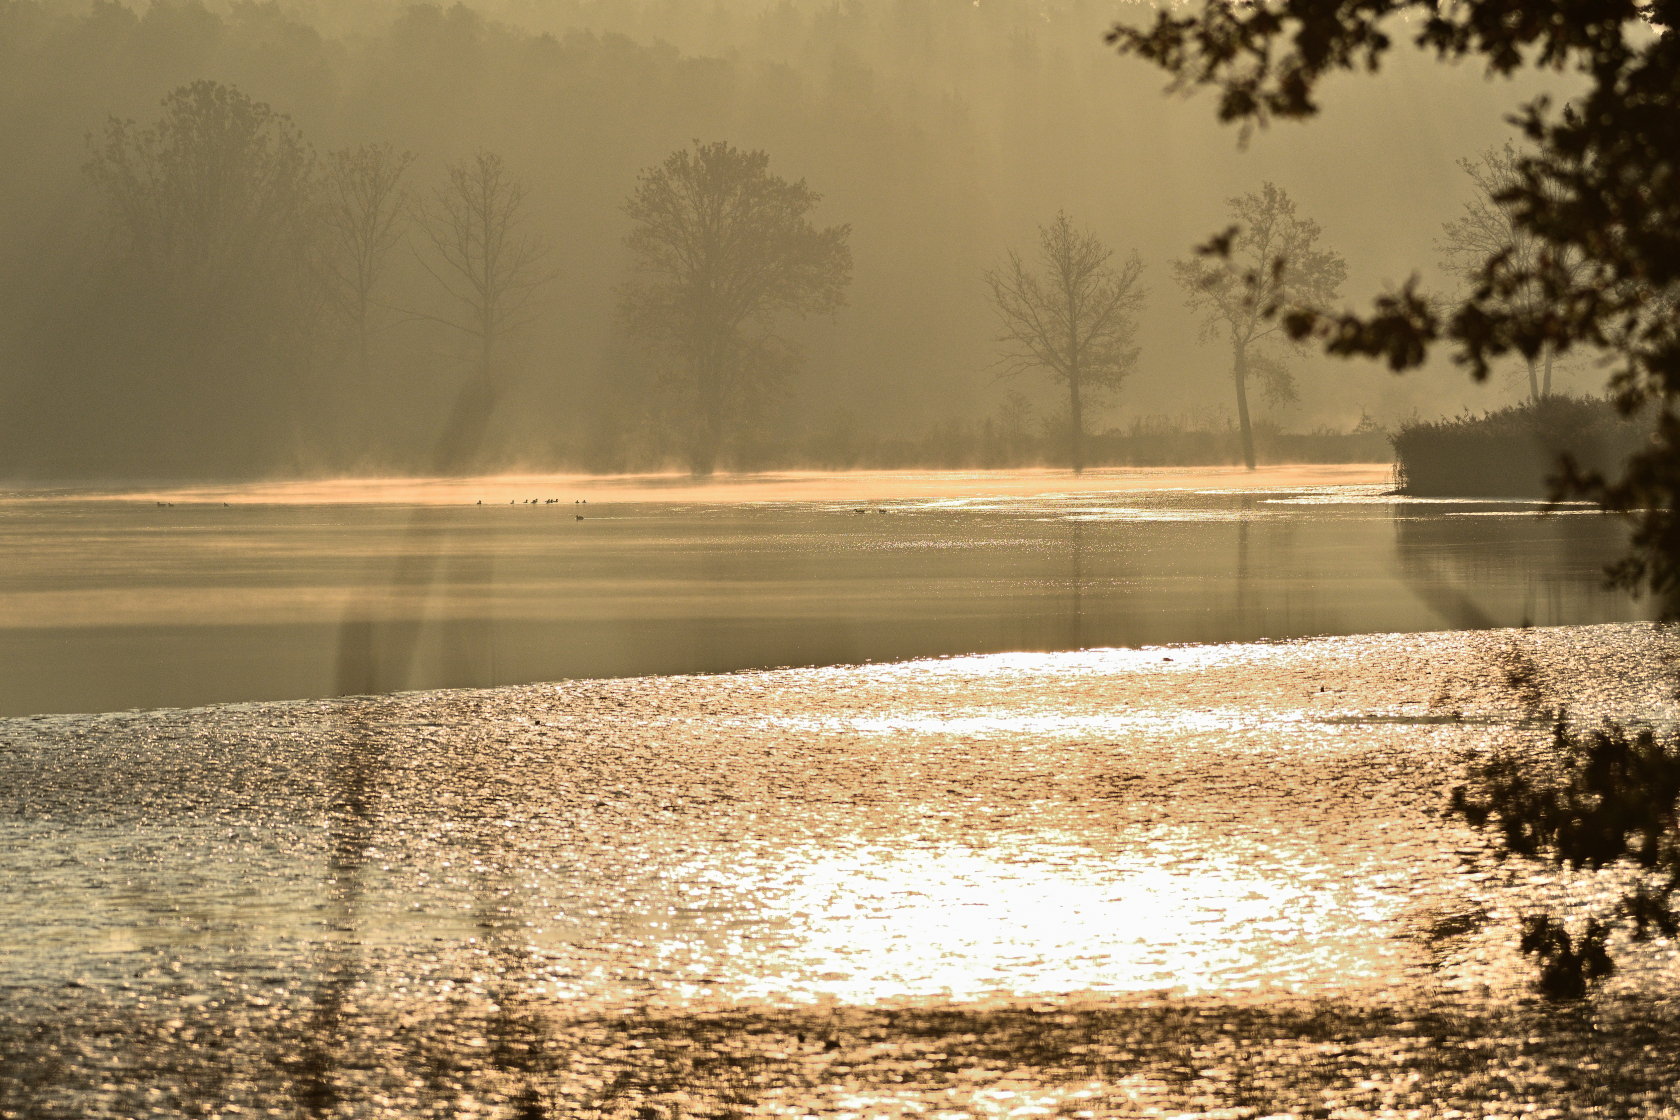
(1515, 452)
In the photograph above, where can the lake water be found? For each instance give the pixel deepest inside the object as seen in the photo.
(1212, 880)
(1141, 863)
(111, 601)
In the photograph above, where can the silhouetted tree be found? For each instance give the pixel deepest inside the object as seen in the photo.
(724, 247)
(1488, 231)
(210, 304)
(1076, 320)
(365, 211)
(486, 261)
(212, 207)
(1268, 262)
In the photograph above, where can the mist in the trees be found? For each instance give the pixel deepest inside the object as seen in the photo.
(1073, 318)
(1487, 229)
(228, 248)
(668, 559)
(364, 214)
(1269, 262)
(484, 259)
(721, 248)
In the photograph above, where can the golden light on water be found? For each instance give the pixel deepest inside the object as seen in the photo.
(781, 486)
(964, 922)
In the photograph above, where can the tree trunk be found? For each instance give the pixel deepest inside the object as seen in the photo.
(1078, 421)
(1239, 373)
(708, 419)
(1533, 383)
(1546, 389)
(1074, 414)
(361, 342)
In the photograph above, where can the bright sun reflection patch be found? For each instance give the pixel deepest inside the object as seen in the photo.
(960, 923)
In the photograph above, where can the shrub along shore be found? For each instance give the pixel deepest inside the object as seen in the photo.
(1514, 452)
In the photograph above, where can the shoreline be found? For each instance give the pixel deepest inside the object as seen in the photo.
(774, 486)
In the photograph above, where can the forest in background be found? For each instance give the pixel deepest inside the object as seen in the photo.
(943, 132)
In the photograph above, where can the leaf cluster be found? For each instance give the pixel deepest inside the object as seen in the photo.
(1593, 799)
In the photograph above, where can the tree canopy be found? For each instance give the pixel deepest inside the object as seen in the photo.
(722, 247)
(1487, 228)
(364, 212)
(489, 264)
(1271, 261)
(212, 202)
(1076, 320)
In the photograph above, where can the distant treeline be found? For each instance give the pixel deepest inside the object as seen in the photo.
(109, 368)
(941, 133)
(1514, 452)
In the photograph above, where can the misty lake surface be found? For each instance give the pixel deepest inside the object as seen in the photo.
(113, 600)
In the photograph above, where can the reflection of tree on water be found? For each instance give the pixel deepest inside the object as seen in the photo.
(515, 1035)
(376, 652)
(468, 643)
(1484, 565)
(351, 828)
(513, 1052)
(1076, 551)
(1246, 511)
(378, 638)
(1273, 580)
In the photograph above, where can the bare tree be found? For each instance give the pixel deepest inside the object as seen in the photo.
(1076, 320)
(1267, 263)
(364, 208)
(1489, 233)
(486, 261)
(724, 247)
